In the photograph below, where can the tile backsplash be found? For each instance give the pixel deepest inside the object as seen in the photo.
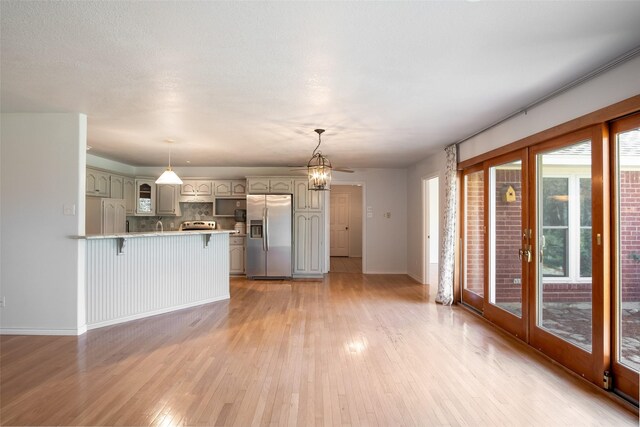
(190, 212)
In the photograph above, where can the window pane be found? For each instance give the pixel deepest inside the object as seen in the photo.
(554, 258)
(555, 197)
(629, 248)
(585, 252)
(585, 202)
(474, 233)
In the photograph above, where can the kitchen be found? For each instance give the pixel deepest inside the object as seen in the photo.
(135, 216)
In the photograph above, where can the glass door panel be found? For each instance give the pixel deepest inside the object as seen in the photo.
(509, 243)
(474, 238)
(564, 286)
(506, 237)
(626, 266)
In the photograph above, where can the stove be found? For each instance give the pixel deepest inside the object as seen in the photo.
(198, 225)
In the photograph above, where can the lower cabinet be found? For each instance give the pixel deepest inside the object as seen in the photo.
(309, 248)
(236, 255)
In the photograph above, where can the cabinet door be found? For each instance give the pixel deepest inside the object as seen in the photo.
(300, 240)
(97, 183)
(315, 200)
(222, 188)
(258, 186)
(204, 188)
(300, 194)
(120, 216)
(236, 259)
(238, 188)
(129, 194)
(108, 216)
(189, 188)
(280, 185)
(167, 198)
(314, 246)
(117, 186)
(145, 197)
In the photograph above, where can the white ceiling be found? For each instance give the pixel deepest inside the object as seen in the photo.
(245, 84)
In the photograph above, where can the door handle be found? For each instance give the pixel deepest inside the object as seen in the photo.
(346, 228)
(264, 229)
(267, 228)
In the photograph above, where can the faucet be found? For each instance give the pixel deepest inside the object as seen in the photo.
(159, 224)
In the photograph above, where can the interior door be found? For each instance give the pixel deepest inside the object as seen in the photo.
(509, 243)
(569, 252)
(339, 224)
(473, 230)
(626, 255)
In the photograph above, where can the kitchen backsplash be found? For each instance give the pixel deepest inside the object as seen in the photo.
(190, 212)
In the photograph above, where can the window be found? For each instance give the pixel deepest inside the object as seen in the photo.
(566, 227)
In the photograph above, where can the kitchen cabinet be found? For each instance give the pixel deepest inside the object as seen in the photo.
(167, 202)
(145, 197)
(239, 188)
(116, 183)
(304, 199)
(105, 216)
(196, 188)
(308, 234)
(129, 194)
(97, 183)
(222, 188)
(236, 254)
(267, 185)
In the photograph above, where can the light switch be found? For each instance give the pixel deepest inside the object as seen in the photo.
(69, 210)
(369, 208)
(387, 215)
(369, 214)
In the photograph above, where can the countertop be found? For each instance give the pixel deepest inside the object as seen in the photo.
(136, 234)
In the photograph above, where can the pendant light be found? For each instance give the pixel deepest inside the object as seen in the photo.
(319, 168)
(169, 176)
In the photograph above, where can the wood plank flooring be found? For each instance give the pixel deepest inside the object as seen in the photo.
(350, 350)
(342, 264)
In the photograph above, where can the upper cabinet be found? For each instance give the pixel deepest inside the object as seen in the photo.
(196, 188)
(239, 188)
(129, 194)
(266, 185)
(305, 200)
(167, 202)
(230, 188)
(222, 188)
(117, 186)
(145, 197)
(97, 183)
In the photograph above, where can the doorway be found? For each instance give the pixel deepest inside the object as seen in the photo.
(345, 228)
(431, 227)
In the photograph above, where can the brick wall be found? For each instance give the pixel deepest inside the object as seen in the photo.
(630, 235)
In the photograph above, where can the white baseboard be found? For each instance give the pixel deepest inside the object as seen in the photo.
(415, 277)
(384, 272)
(29, 331)
(154, 312)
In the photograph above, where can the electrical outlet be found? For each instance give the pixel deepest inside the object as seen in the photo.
(172, 226)
(1, 302)
(69, 210)
(517, 281)
(387, 215)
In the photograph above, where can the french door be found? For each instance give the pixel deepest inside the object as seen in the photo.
(625, 295)
(568, 300)
(474, 231)
(508, 242)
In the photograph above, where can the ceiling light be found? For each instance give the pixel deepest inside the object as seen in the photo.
(319, 168)
(169, 176)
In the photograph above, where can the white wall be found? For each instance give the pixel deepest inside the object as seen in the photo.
(428, 168)
(613, 86)
(355, 216)
(110, 165)
(42, 268)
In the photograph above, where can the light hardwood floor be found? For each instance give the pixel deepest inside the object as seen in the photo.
(343, 264)
(352, 350)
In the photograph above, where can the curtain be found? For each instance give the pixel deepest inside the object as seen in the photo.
(447, 254)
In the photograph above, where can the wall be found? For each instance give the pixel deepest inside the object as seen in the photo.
(42, 268)
(110, 165)
(613, 86)
(355, 216)
(428, 168)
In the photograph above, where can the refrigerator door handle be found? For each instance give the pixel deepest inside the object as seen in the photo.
(266, 228)
(264, 232)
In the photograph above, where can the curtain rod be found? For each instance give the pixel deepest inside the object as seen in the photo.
(608, 66)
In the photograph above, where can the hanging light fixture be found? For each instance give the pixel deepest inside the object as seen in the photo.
(319, 168)
(169, 176)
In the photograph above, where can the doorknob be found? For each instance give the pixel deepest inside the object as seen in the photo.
(346, 228)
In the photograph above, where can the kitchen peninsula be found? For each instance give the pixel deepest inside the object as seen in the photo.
(135, 275)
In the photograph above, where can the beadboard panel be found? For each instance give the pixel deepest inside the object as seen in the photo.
(154, 275)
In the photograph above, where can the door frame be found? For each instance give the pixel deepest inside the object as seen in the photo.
(426, 227)
(625, 380)
(589, 365)
(517, 326)
(467, 297)
(327, 223)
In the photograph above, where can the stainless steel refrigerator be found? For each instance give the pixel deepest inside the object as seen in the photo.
(268, 236)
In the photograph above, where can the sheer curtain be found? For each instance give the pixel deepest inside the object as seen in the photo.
(447, 254)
